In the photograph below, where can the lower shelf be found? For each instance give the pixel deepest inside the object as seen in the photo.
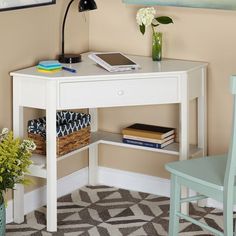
(38, 168)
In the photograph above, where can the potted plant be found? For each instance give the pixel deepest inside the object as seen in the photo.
(146, 17)
(14, 162)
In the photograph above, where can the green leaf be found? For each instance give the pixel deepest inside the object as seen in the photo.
(142, 28)
(164, 20)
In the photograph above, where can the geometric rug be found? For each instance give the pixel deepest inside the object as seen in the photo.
(109, 211)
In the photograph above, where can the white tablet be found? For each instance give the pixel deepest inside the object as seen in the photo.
(114, 61)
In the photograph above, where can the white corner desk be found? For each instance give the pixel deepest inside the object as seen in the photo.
(165, 82)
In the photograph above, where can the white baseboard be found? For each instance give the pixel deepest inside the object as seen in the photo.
(143, 183)
(134, 181)
(37, 197)
(106, 176)
(215, 204)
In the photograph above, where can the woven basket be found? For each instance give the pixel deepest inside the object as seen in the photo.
(73, 132)
(65, 144)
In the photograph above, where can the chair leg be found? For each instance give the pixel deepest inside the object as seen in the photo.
(235, 228)
(174, 206)
(228, 217)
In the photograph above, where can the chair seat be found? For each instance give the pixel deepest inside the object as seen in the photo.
(208, 171)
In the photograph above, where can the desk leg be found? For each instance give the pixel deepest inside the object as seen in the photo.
(202, 116)
(202, 123)
(184, 135)
(93, 165)
(93, 151)
(18, 124)
(51, 158)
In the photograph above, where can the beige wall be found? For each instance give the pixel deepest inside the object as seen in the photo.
(197, 34)
(30, 35)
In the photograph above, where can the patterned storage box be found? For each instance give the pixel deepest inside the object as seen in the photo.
(73, 132)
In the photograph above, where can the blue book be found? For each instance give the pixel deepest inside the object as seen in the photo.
(147, 144)
(48, 67)
(49, 63)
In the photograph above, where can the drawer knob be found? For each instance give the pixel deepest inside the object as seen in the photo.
(120, 92)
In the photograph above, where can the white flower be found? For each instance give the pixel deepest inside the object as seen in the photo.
(29, 145)
(5, 131)
(145, 16)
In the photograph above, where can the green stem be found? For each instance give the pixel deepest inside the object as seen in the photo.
(156, 46)
(153, 30)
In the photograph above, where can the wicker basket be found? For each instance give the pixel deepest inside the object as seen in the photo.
(73, 132)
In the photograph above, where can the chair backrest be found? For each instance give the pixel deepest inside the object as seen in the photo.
(230, 171)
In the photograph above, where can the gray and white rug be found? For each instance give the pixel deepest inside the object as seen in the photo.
(108, 211)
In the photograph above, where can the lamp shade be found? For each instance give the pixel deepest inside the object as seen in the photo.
(87, 5)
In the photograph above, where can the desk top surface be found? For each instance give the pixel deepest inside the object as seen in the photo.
(88, 69)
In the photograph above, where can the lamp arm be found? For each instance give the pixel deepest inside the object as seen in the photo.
(63, 27)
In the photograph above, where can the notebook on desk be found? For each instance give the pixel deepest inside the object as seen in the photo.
(114, 61)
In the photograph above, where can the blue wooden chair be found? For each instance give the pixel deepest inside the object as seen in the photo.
(212, 177)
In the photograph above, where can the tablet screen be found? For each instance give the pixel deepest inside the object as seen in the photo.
(115, 59)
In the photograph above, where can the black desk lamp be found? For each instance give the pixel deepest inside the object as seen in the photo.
(84, 5)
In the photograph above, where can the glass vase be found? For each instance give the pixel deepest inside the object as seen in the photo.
(2, 218)
(157, 46)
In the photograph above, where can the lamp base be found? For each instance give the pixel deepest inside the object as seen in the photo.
(69, 58)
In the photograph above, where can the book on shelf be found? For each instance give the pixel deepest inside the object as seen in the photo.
(148, 131)
(147, 144)
(152, 140)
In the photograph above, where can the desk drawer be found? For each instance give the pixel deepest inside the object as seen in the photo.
(118, 93)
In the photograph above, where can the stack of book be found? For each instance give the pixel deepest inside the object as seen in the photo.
(148, 135)
(50, 66)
